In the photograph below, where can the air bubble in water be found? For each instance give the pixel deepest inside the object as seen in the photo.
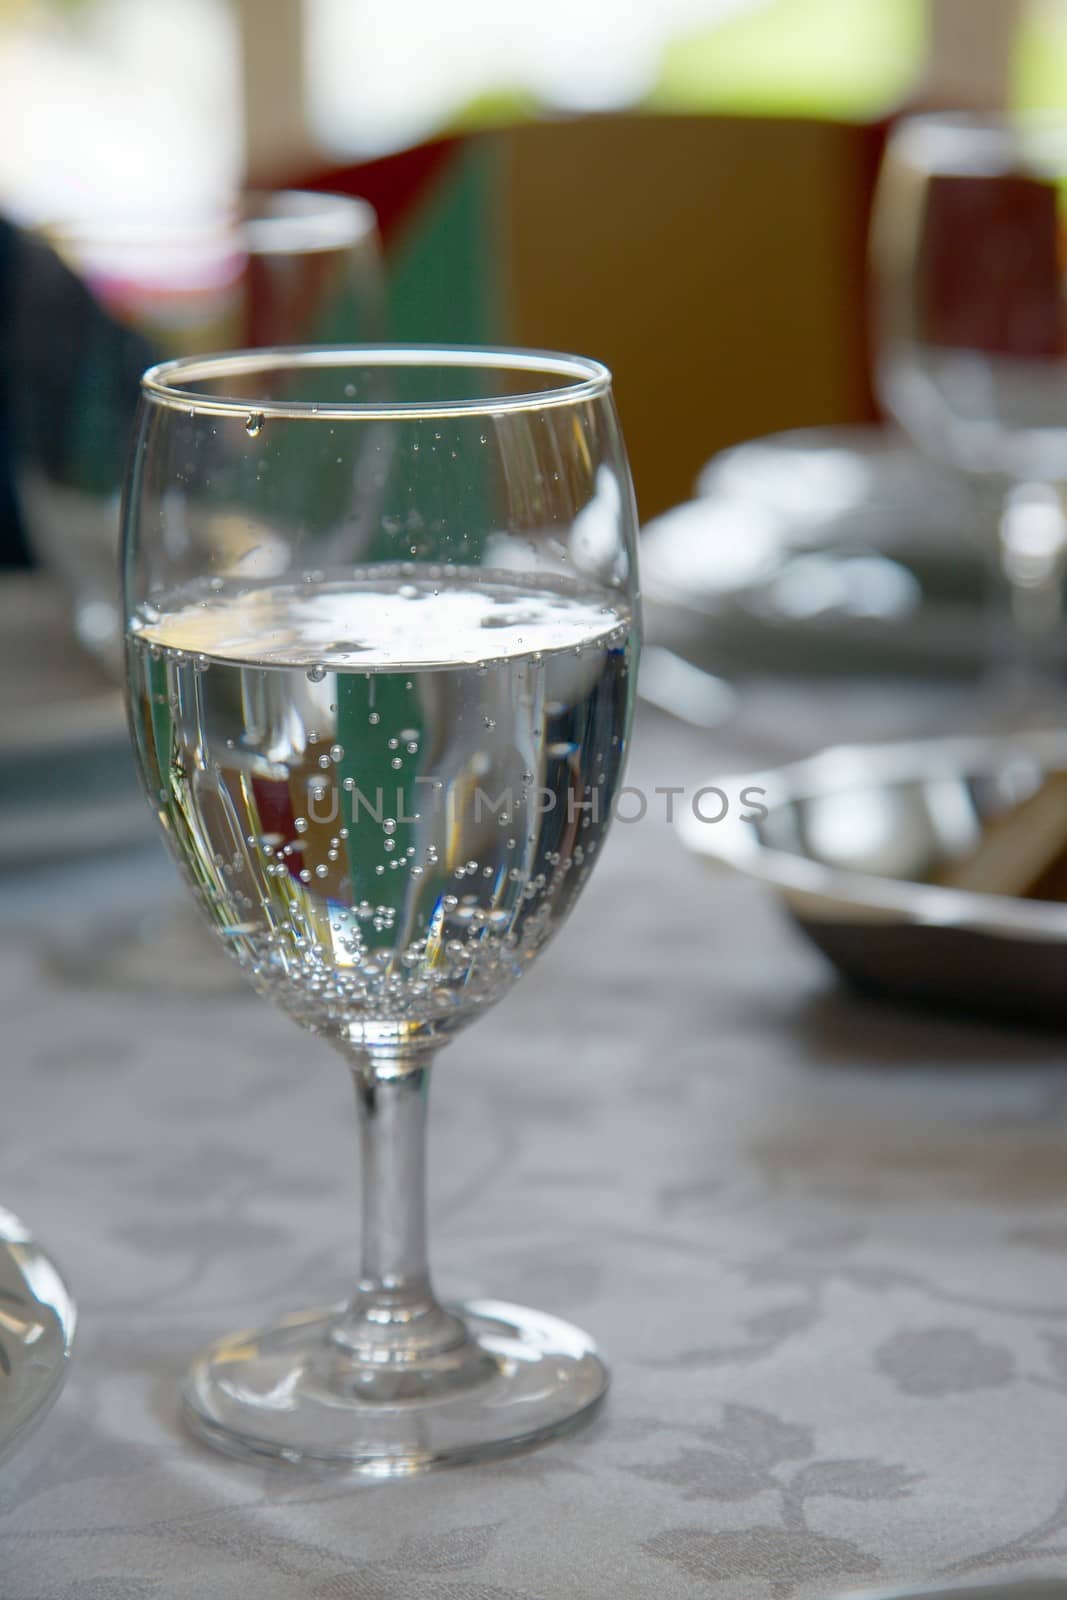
(316, 674)
(254, 424)
(389, 825)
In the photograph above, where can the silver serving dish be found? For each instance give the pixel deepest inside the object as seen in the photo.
(37, 1320)
(852, 840)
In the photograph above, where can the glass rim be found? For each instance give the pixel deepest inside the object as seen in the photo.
(980, 141)
(263, 221)
(165, 383)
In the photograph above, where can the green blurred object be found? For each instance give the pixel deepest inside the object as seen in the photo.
(848, 59)
(1039, 71)
(444, 273)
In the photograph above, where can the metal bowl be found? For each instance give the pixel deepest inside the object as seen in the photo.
(854, 840)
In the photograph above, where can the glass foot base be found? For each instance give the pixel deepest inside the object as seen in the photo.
(293, 1395)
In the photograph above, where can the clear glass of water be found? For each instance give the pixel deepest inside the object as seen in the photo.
(381, 614)
(968, 251)
(95, 303)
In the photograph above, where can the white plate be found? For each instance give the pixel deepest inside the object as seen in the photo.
(37, 1319)
(67, 780)
(834, 548)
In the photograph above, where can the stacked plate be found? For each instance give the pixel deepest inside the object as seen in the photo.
(822, 549)
(67, 782)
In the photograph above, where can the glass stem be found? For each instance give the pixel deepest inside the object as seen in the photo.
(394, 1316)
(1032, 549)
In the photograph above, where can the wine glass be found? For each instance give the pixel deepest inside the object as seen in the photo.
(381, 633)
(968, 254)
(95, 302)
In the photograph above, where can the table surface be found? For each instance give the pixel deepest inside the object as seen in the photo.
(821, 1241)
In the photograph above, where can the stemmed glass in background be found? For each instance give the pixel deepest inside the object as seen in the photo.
(969, 255)
(95, 303)
(381, 614)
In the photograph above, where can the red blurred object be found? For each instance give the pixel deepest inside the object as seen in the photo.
(989, 266)
(395, 185)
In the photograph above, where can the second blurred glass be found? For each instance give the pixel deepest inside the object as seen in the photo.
(96, 303)
(969, 256)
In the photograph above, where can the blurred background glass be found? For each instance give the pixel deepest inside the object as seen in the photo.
(972, 322)
(94, 303)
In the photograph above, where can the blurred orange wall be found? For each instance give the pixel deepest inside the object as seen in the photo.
(715, 264)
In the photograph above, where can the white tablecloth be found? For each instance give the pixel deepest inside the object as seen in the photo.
(823, 1244)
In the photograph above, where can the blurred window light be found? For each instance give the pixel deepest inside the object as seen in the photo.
(116, 106)
(823, 58)
(382, 76)
(1039, 75)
